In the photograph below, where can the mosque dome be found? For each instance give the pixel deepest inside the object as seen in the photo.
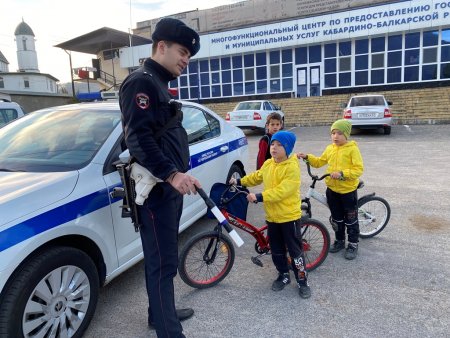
(23, 29)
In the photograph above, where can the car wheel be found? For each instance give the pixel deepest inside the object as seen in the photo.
(53, 295)
(235, 172)
(387, 130)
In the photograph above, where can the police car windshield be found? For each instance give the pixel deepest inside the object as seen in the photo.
(55, 140)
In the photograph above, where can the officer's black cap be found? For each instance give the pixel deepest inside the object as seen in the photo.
(174, 30)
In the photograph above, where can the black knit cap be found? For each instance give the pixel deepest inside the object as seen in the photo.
(174, 30)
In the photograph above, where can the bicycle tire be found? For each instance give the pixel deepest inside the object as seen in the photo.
(374, 213)
(196, 267)
(316, 242)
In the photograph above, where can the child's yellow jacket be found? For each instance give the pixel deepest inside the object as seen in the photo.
(281, 194)
(346, 158)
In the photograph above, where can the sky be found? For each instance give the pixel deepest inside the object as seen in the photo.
(57, 21)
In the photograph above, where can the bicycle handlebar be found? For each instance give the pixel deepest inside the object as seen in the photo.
(220, 217)
(314, 177)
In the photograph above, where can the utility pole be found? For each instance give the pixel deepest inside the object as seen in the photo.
(71, 72)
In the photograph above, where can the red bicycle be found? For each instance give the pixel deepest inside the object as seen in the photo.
(207, 258)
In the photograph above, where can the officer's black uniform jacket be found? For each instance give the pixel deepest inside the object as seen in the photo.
(144, 104)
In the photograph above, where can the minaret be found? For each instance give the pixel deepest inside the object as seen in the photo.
(26, 51)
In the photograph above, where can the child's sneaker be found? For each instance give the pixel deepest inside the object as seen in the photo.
(282, 280)
(337, 246)
(303, 289)
(351, 251)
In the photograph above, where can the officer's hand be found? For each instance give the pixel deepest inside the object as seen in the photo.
(185, 184)
(302, 155)
(232, 181)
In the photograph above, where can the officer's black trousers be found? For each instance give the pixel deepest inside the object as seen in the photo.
(160, 216)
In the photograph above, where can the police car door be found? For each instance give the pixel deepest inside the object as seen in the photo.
(208, 157)
(128, 243)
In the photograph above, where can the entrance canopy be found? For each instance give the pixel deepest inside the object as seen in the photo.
(103, 39)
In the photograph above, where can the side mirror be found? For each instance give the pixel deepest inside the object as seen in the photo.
(277, 107)
(389, 103)
(343, 105)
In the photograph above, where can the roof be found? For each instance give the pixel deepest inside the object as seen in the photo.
(3, 58)
(29, 73)
(102, 39)
(23, 29)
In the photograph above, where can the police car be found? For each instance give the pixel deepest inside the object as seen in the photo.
(61, 231)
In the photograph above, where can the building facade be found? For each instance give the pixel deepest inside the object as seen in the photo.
(387, 44)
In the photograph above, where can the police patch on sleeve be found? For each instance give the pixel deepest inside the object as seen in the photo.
(142, 100)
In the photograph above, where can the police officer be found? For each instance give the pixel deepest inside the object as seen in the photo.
(146, 111)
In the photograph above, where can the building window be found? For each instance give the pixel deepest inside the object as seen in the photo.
(377, 45)
(429, 72)
(274, 72)
(249, 74)
(394, 59)
(26, 82)
(274, 57)
(238, 88)
(361, 62)
(330, 80)
(395, 42)
(330, 50)
(377, 60)
(412, 40)
(411, 74)
(394, 75)
(286, 55)
(344, 64)
(237, 75)
(225, 63)
(2, 83)
(24, 44)
(429, 55)
(301, 55)
(430, 38)
(214, 64)
(362, 46)
(345, 48)
(315, 54)
(345, 79)
(377, 76)
(361, 78)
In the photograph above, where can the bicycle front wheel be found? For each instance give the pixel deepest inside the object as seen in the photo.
(315, 241)
(206, 259)
(373, 215)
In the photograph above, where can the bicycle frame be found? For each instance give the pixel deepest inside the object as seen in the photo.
(257, 233)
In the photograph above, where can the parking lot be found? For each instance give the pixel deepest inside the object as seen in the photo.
(398, 286)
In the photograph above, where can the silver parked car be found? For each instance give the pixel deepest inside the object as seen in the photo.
(252, 114)
(369, 112)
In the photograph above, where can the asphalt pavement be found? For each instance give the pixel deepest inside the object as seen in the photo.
(398, 286)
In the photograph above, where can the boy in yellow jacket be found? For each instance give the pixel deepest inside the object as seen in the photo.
(345, 166)
(281, 196)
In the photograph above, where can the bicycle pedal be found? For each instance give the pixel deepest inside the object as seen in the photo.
(257, 261)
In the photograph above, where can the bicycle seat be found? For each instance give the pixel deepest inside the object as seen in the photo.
(360, 184)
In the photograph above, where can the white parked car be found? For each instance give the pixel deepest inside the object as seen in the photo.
(61, 233)
(252, 114)
(9, 111)
(369, 112)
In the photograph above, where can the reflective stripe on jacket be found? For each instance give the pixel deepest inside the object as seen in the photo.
(281, 194)
(346, 158)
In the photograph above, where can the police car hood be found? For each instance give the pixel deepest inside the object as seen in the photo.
(23, 193)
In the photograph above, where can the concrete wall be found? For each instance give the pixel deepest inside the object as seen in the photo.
(418, 106)
(34, 102)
